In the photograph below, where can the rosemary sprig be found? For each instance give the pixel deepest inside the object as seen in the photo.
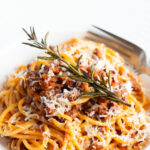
(101, 89)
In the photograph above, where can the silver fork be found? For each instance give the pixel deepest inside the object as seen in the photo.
(132, 53)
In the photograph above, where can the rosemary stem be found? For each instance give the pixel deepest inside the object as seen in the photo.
(100, 87)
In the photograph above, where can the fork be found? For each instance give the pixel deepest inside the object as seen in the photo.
(133, 54)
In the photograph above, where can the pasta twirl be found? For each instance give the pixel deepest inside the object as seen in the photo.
(42, 112)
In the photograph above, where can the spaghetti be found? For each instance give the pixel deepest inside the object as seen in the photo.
(41, 112)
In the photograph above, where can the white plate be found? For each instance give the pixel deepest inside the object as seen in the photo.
(17, 54)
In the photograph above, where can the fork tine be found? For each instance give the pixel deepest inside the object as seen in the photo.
(111, 41)
(123, 41)
(126, 52)
(109, 45)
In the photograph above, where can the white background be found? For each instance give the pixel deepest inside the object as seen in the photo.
(127, 18)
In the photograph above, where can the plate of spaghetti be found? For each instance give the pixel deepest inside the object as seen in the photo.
(77, 95)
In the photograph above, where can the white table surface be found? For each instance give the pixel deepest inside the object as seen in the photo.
(129, 18)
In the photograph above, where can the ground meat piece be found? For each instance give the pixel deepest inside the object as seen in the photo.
(110, 104)
(62, 120)
(74, 111)
(119, 132)
(120, 90)
(50, 111)
(94, 146)
(55, 70)
(97, 52)
(135, 85)
(113, 82)
(94, 108)
(70, 83)
(28, 67)
(36, 82)
(99, 73)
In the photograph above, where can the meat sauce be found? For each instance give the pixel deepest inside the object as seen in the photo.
(38, 84)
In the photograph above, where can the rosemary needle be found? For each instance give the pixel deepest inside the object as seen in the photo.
(101, 89)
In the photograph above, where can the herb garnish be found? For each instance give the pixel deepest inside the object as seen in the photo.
(101, 89)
